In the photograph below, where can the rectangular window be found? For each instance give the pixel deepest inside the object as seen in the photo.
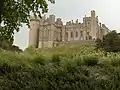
(71, 34)
(87, 33)
(76, 34)
(67, 36)
(81, 33)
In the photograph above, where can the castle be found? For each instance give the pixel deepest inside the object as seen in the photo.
(50, 32)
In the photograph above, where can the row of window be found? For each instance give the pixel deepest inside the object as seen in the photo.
(76, 34)
(87, 37)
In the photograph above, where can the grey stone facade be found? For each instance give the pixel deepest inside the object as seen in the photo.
(51, 32)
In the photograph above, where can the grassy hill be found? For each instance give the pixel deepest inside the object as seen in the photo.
(71, 67)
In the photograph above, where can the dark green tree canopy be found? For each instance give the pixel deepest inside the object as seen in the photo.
(110, 42)
(1, 8)
(16, 12)
(13, 13)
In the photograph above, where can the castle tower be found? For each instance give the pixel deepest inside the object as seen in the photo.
(85, 28)
(93, 13)
(34, 32)
(52, 19)
(59, 25)
(47, 32)
(93, 32)
(101, 32)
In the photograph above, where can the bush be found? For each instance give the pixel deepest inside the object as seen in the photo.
(110, 42)
(56, 59)
(115, 61)
(90, 60)
(47, 70)
(39, 60)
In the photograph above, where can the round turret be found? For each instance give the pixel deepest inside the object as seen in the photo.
(52, 19)
(59, 21)
(34, 32)
(93, 13)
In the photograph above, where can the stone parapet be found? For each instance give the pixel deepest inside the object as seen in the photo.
(52, 32)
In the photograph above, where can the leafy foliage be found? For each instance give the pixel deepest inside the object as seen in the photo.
(98, 43)
(15, 48)
(5, 45)
(110, 42)
(36, 69)
(15, 12)
(1, 8)
(90, 60)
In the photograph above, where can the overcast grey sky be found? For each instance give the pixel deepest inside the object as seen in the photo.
(108, 12)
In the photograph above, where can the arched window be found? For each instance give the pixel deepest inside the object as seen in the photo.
(88, 33)
(71, 34)
(76, 34)
(81, 33)
(90, 37)
(66, 34)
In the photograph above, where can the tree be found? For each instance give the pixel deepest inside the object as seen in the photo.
(98, 43)
(1, 8)
(15, 12)
(110, 42)
(15, 48)
(4, 45)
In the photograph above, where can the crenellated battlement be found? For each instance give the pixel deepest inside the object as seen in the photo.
(73, 23)
(50, 31)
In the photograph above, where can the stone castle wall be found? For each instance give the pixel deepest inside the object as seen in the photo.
(48, 32)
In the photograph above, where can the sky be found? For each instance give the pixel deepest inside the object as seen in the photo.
(108, 12)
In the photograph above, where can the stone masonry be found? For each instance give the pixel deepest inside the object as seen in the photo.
(50, 32)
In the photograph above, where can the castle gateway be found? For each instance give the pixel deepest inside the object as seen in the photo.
(48, 32)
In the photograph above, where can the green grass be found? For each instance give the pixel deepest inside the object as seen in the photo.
(71, 67)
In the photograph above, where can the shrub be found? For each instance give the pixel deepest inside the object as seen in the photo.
(34, 71)
(90, 60)
(115, 61)
(78, 60)
(56, 59)
(110, 42)
(39, 60)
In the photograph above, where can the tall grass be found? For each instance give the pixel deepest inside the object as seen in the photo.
(63, 68)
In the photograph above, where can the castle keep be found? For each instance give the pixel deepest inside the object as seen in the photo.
(50, 32)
